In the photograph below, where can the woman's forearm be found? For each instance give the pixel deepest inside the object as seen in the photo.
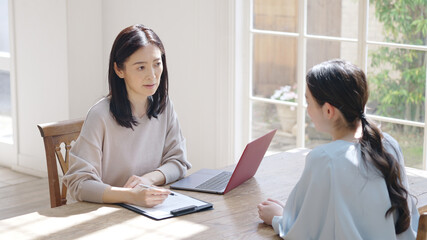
(145, 197)
(117, 195)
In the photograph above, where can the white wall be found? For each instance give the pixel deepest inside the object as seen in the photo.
(62, 50)
(87, 80)
(41, 74)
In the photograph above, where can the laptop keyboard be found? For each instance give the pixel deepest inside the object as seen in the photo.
(217, 183)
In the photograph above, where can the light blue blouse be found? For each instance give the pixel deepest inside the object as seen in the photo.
(338, 197)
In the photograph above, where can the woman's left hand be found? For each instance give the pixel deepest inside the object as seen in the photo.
(268, 209)
(134, 180)
(152, 178)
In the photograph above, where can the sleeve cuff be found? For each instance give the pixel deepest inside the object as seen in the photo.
(276, 223)
(92, 191)
(172, 171)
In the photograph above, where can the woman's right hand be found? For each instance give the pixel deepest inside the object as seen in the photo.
(148, 197)
(141, 196)
(268, 209)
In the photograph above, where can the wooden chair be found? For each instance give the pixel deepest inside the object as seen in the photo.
(422, 224)
(54, 134)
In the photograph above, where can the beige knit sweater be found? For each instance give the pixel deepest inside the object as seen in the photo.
(108, 154)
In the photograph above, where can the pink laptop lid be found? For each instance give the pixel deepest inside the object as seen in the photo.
(250, 160)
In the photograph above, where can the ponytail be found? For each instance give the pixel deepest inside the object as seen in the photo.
(372, 150)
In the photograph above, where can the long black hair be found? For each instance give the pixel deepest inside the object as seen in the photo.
(344, 86)
(127, 42)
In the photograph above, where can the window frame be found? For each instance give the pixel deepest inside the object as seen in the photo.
(302, 37)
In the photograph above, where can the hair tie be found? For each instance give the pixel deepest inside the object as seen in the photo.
(362, 115)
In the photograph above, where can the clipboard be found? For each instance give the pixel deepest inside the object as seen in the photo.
(175, 205)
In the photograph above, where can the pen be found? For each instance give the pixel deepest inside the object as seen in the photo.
(146, 186)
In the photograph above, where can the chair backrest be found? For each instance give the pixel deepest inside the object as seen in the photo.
(54, 134)
(422, 224)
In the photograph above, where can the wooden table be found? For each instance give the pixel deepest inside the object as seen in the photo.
(234, 216)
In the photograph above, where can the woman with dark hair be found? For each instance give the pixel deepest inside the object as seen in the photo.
(132, 136)
(354, 187)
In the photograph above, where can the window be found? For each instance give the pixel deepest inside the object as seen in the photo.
(6, 133)
(388, 41)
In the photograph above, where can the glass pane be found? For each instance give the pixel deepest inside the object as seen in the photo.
(276, 15)
(5, 108)
(4, 26)
(266, 117)
(410, 139)
(274, 64)
(334, 18)
(322, 50)
(400, 22)
(397, 80)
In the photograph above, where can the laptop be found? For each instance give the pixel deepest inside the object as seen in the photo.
(219, 181)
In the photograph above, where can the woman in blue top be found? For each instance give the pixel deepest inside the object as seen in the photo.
(354, 187)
